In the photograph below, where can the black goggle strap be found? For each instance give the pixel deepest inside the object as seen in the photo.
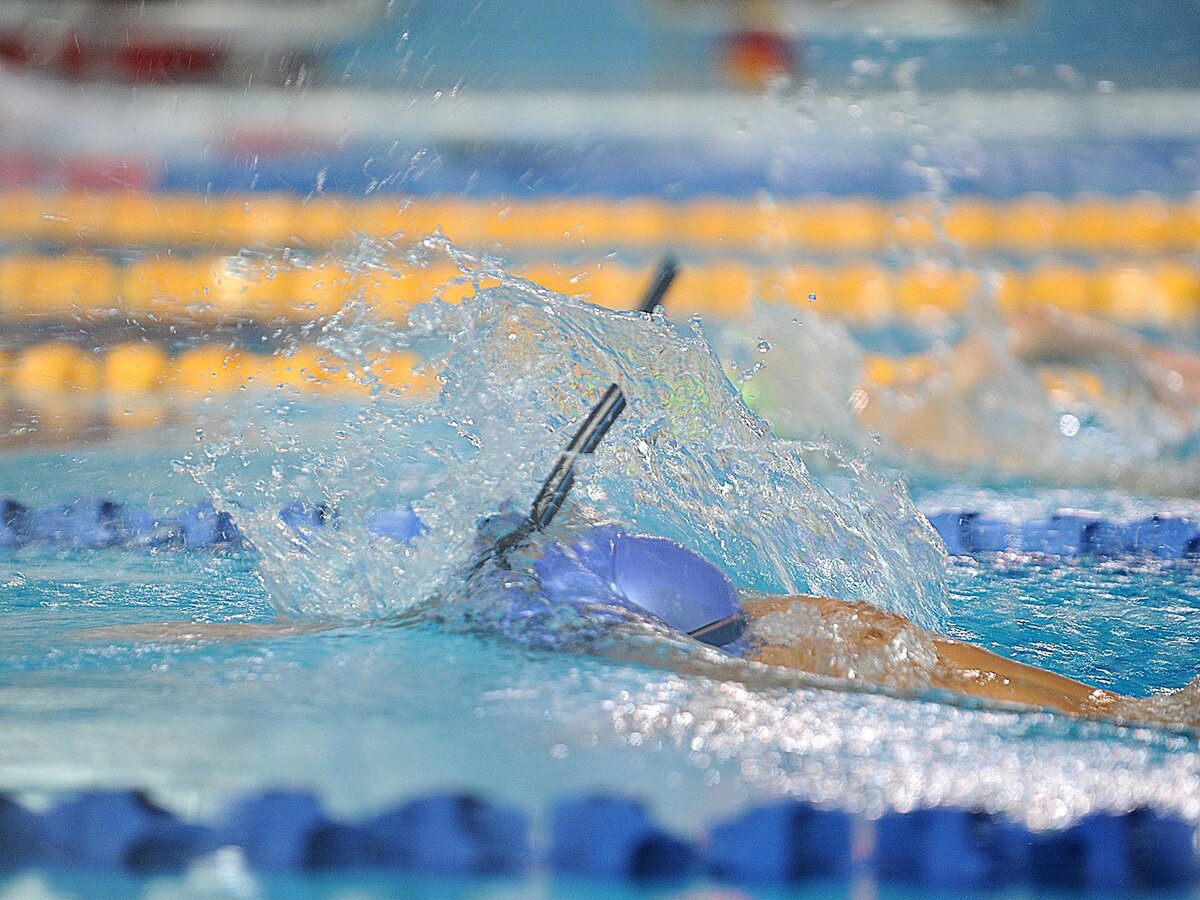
(603, 416)
(721, 632)
(555, 488)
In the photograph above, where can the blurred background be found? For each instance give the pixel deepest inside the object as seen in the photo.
(185, 184)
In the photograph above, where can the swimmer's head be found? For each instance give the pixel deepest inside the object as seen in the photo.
(649, 574)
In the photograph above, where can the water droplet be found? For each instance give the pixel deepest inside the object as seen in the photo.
(812, 298)
(764, 346)
(1069, 425)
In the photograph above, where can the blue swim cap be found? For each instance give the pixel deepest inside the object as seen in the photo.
(646, 573)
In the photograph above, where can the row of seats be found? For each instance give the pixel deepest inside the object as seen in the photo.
(608, 839)
(139, 368)
(220, 289)
(1032, 224)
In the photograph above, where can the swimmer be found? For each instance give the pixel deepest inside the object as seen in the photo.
(614, 579)
(1048, 394)
(925, 404)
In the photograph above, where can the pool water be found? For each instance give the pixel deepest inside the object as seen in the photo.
(437, 697)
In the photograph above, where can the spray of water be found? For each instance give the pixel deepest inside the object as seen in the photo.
(519, 368)
(1099, 425)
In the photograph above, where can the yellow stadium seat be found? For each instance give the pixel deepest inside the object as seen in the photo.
(972, 223)
(136, 221)
(1064, 286)
(1180, 284)
(641, 222)
(255, 220)
(54, 366)
(914, 222)
(323, 219)
(207, 370)
(1183, 225)
(308, 293)
(591, 222)
(257, 370)
(575, 223)
(1142, 224)
(379, 217)
(929, 287)
(527, 223)
(571, 223)
(1031, 224)
(789, 221)
(141, 219)
(862, 292)
(76, 218)
(726, 290)
(517, 223)
(15, 273)
(715, 222)
(30, 215)
(134, 367)
(555, 223)
(464, 221)
(168, 289)
(851, 225)
(800, 284)
(1161, 295)
(22, 215)
(620, 287)
(12, 284)
(245, 288)
(58, 287)
(880, 370)
(189, 220)
(1090, 224)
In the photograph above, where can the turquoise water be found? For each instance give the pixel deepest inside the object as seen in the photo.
(435, 697)
(368, 713)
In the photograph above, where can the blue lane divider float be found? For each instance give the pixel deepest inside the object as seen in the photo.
(93, 522)
(1163, 537)
(608, 838)
(615, 838)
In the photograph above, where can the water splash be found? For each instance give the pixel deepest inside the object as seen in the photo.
(519, 368)
(979, 412)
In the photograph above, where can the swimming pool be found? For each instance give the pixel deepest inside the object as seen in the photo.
(443, 698)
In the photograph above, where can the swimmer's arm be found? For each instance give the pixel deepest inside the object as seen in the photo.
(1044, 333)
(972, 670)
(195, 632)
(961, 668)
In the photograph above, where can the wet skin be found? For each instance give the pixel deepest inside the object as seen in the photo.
(957, 667)
(857, 627)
